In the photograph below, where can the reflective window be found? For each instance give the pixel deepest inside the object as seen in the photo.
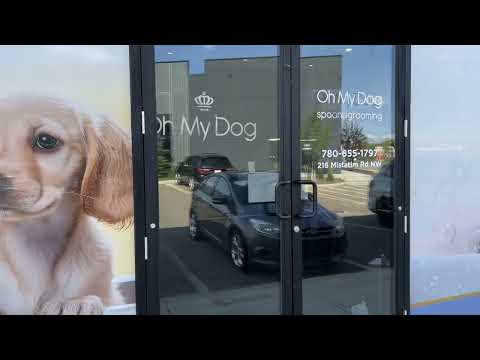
(219, 104)
(347, 149)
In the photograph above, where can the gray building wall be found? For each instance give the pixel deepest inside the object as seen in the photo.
(325, 73)
(243, 91)
(318, 73)
(171, 81)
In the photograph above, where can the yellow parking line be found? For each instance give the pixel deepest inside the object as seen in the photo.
(176, 187)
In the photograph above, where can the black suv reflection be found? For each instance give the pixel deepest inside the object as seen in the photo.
(194, 168)
(250, 231)
(380, 195)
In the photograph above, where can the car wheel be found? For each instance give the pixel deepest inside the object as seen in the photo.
(191, 183)
(238, 251)
(193, 227)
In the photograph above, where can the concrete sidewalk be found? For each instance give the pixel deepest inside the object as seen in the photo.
(129, 309)
(340, 294)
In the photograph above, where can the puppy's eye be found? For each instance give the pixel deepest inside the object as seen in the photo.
(45, 142)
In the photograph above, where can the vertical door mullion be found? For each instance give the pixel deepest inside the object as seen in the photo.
(406, 178)
(399, 203)
(401, 178)
(285, 155)
(138, 177)
(297, 268)
(151, 178)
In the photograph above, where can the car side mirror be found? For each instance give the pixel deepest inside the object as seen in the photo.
(220, 199)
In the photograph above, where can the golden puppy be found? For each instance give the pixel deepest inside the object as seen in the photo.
(62, 171)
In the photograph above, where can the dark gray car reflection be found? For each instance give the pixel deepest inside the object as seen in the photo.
(380, 195)
(194, 168)
(249, 232)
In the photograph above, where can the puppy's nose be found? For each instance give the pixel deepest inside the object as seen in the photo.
(5, 186)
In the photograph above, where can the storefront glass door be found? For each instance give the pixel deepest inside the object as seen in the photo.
(273, 186)
(218, 166)
(347, 146)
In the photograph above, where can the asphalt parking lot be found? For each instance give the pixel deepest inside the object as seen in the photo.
(189, 267)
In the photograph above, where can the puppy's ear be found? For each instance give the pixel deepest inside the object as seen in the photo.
(107, 185)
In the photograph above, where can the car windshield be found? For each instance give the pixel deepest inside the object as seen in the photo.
(216, 162)
(240, 188)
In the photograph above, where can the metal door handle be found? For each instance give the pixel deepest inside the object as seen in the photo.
(314, 185)
(277, 202)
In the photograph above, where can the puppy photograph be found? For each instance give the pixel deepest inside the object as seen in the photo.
(66, 181)
(62, 171)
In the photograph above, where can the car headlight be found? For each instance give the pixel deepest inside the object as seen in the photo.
(265, 228)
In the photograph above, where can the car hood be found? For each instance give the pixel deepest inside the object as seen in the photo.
(323, 219)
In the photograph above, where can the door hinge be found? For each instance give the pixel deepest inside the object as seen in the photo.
(405, 224)
(143, 122)
(146, 248)
(405, 128)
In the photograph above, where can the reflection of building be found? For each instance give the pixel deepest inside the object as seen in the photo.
(236, 109)
(172, 99)
(319, 73)
(244, 92)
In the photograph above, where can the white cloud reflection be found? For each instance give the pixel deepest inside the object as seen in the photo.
(84, 53)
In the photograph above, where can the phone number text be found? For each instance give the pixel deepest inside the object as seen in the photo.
(351, 153)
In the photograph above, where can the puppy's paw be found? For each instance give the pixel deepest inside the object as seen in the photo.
(86, 305)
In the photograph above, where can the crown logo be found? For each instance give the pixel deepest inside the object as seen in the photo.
(204, 102)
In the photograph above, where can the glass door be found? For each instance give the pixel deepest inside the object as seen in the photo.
(218, 167)
(270, 179)
(346, 146)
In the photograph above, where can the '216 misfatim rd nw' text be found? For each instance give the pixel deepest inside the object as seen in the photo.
(348, 164)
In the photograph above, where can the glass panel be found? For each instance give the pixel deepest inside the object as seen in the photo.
(444, 196)
(347, 148)
(66, 192)
(218, 254)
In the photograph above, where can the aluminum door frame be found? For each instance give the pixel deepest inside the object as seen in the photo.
(291, 267)
(148, 233)
(401, 257)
